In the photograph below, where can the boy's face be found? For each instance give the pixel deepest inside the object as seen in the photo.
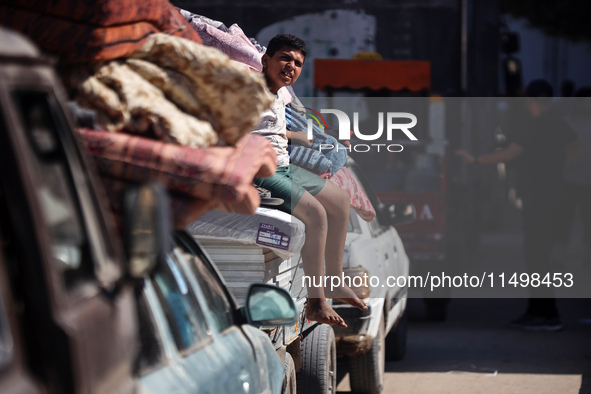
(283, 68)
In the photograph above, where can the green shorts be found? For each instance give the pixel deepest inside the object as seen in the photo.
(290, 183)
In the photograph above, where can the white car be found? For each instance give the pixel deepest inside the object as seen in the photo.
(196, 340)
(374, 251)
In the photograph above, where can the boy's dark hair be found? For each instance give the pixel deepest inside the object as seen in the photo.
(286, 40)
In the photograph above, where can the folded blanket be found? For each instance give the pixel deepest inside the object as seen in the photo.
(125, 100)
(230, 97)
(181, 91)
(221, 175)
(83, 31)
(312, 159)
(359, 201)
(230, 40)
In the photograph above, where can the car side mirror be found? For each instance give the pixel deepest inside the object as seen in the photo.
(146, 223)
(269, 305)
(400, 213)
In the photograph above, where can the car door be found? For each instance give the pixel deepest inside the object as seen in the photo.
(81, 332)
(250, 354)
(15, 377)
(383, 245)
(172, 328)
(381, 253)
(202, 344)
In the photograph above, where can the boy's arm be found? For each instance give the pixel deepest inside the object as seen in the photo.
(298, 138)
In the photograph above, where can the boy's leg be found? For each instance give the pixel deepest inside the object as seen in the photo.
(310, 211)
(301, 204)
(337, 204)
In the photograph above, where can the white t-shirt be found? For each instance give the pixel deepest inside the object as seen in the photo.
(273, 127)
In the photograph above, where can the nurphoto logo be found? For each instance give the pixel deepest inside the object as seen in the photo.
(393, 125)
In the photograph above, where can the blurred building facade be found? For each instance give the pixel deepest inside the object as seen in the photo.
(459, 37)
(552, 58)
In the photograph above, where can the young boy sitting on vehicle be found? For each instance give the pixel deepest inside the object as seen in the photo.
(323, 207)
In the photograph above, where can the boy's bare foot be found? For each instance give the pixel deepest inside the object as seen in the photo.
(356, 302)
(345, 294)
(318, 310)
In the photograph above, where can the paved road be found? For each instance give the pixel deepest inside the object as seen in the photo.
(475, 352)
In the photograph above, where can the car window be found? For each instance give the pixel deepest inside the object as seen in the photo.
(375, 226)
(353, 222)
(150, 351)
(212, 288)
(55, 189)
(6, 345)
(183, 312)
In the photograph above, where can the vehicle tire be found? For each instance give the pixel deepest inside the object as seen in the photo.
(319, 362)
(436, 309)
(396, 339)
(366, 374)
(289, 385)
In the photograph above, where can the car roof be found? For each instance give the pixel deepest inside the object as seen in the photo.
(14, 45)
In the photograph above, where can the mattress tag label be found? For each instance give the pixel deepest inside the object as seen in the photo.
(269, 235)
